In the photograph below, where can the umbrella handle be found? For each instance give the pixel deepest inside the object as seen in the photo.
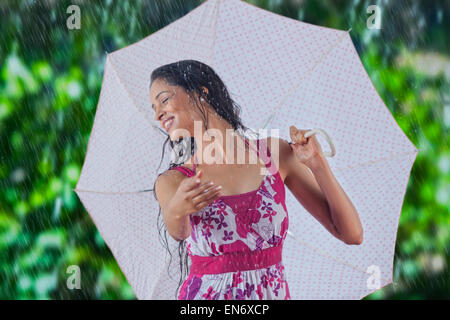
(327, 137)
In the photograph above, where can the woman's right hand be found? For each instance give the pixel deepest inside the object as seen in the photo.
(192, 196)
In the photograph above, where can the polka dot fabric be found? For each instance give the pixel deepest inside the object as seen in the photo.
(282, 72)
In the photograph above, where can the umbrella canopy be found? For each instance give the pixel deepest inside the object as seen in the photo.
(283, 72)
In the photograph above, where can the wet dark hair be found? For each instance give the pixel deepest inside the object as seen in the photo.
(192, 75)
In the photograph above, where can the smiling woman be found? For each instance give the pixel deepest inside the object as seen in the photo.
(182, 93)
(234, 232)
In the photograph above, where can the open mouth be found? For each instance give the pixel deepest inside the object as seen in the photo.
(167, 123)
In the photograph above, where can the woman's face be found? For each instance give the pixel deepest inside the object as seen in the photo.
(174, 109)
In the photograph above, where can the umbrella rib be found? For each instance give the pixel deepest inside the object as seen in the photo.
(211, 57)
(128, 93)
(304, 76)
(112, 192)
(162, 132)
(199, 24)
(139, 110)
(145, 116)
(125, 87)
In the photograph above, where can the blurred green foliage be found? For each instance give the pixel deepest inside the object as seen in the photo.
(50, 80)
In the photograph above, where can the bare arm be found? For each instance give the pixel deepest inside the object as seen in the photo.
(318, 191)
(341, 210)
(179, 197)
(177, 223)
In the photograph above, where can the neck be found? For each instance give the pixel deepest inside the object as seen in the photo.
(218, 145)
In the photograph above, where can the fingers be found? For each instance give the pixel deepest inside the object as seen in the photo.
(295, 147)
(214, 195)
(293, 133)
(298, 136)
(207, 194)
(200, 189)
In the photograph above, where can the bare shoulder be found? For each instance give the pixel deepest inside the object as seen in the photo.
(167, 183)
(281, 153)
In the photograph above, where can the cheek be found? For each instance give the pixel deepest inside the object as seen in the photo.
(183, 119)
(182, 123)
(187, 119)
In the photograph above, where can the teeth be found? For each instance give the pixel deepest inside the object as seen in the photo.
(167, 123)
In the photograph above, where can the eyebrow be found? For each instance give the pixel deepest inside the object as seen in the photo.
(153, 106)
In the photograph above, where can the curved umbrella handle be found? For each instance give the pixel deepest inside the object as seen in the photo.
(327, 137)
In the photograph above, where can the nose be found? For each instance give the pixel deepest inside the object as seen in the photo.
(158, 113)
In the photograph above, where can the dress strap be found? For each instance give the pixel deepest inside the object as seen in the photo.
(186, 171)
(264, 153)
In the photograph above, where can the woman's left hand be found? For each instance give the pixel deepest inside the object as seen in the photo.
(307, 150)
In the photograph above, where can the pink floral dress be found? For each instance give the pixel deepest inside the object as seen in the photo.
(236, 242)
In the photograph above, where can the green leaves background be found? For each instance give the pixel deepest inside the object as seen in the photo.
(50, 80)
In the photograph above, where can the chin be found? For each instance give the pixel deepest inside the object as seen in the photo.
(175, 137)
(176, 133)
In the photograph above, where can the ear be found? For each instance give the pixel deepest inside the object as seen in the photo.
(205, 90)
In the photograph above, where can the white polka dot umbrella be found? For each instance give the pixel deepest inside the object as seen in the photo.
(282, 72)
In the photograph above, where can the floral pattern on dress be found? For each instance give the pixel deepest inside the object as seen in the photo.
(251, 221)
